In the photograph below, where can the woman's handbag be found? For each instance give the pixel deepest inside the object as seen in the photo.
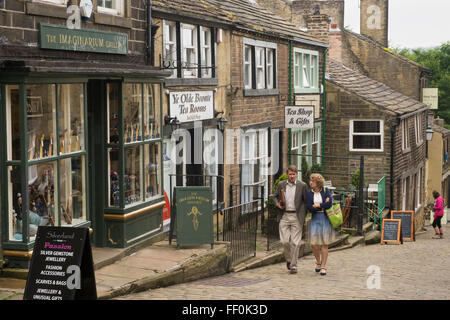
(335, 215)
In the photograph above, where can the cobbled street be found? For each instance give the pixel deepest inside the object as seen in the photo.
(414, 270)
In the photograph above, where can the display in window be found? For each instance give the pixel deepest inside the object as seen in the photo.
(151, 111)
(40, 121)
(71, 113)
(72, 191)
(13, 122)
(153, 170)
(113, 112)
(132, 112)
(113, 169)
(132, 176)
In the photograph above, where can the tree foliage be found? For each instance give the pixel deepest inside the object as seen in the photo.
(438, 61)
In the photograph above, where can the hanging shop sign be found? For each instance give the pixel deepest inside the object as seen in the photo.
(192, 105)
(61, 266)
(299, 117)
(62, 38)
(431, 97)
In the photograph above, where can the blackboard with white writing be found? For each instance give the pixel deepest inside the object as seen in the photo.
(407, 218)
(61, 266)
(390, 232)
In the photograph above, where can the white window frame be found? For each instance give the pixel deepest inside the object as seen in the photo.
(118, 10)
(303, 68)
(169, 28)
(418, 129)
(316, 141)
(191, 72)
(352, 133)
(248, 67)
(211, 145)
(404, 194)
(405, 135)
(260, 66)
(270, 54)
(205, 52)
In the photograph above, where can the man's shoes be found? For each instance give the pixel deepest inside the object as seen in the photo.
(293, 270)
(288, 265)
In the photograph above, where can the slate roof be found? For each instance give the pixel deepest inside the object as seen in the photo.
(371, 90)
(242, 14)
(445, 132)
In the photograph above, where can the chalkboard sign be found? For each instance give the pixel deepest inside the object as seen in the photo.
(61, 266)
(193, 216)
(391, 231)
(407, 218)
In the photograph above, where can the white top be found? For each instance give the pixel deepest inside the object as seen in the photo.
(290, 196)
(317, 198)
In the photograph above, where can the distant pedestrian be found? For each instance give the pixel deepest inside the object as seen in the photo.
(320, 232)
(290, 198)
(438, 214)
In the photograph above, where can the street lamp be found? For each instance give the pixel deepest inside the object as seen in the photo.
(173, 121)
(222, 122)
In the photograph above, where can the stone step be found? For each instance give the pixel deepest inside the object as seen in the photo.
(373, 237)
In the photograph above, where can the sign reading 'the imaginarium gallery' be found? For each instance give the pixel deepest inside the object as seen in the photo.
(62, 38)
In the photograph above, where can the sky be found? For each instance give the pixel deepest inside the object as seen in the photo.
(412, 23)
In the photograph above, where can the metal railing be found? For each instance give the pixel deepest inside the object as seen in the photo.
(240, 225)
(272, 230)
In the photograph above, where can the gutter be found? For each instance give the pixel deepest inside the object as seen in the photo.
(324, 103)
(391, 178)
(290, 100)
(149, 33)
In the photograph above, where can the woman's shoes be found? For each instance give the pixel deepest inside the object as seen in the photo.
(317, 264)
(323, 273)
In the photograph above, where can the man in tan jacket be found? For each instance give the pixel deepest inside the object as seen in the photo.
(293, 208)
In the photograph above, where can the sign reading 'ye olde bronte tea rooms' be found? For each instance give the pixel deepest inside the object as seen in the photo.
(62, 38)
(192, 105)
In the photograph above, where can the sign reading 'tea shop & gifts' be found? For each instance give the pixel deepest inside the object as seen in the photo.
(192, 105)
(299, 117)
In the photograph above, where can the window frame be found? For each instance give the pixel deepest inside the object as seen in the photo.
(352, 133)
(119, 9)
(170, 27)
(250, 79)
(406, 146)
(418, 129)
(311, 70)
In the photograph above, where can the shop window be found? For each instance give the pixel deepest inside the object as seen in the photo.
(141, 118)
(306, 71)
(366, 135)
(211, 159)
(55, 159)
(114, 7)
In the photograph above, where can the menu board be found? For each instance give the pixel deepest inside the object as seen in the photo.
(61, 266)
(407, 218)
(390, 232)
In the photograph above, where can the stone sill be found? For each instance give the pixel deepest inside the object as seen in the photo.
(260, 92)
(106, 19)
(46, 10)
(191, 82)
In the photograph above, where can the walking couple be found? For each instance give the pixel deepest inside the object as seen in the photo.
(294, 200)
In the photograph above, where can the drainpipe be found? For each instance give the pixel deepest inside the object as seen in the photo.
(149, 32)
(290, 100)
(324, 103)
(391, 182)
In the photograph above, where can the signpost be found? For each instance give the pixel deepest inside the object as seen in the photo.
(61, 266)
(193, 216)
(391, 231)
(407, 218)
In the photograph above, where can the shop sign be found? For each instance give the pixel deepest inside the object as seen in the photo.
(299, 117)
(192, 105)
(193, 216)
(431, 97)
(62, 38)
(61, 266)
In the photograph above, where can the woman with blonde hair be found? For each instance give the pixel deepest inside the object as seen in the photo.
(320, 232)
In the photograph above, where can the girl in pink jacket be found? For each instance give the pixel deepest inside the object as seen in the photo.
(438, 213)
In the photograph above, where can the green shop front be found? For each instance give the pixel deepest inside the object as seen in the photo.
(80, 146)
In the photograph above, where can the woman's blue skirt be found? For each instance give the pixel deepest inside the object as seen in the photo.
(320, 231)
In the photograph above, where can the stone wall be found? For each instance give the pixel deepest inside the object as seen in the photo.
(374, 17)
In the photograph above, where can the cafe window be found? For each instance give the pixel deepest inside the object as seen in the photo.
(140, 147)
(55, 157)
(192, 54)
(114, 7)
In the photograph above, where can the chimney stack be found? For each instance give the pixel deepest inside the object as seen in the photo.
(374, 20)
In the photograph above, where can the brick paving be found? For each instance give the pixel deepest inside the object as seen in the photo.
(414, 270)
